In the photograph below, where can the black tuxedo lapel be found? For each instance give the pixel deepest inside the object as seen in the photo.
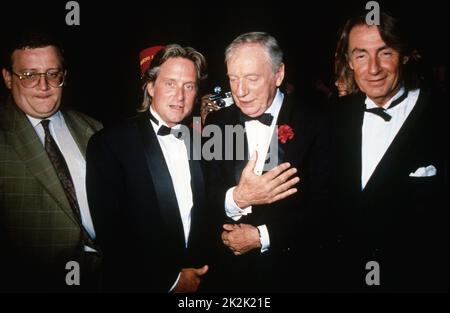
(284, 118)
(349, 131)
(239, 164)
(197, 183)
(162, 181)
(397, 152)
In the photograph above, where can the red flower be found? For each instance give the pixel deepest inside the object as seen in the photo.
(285, 133)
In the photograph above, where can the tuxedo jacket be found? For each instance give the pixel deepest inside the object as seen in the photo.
(39, 232)
(398, 219)
(135, 210)
(293, 223)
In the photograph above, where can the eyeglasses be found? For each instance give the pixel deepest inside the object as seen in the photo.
(55, 78)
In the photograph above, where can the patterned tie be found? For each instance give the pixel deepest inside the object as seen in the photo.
(62, 170)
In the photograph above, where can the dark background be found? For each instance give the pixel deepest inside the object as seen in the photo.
(102, 53)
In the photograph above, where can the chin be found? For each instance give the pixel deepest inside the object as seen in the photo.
(48, 111)
(248, 111)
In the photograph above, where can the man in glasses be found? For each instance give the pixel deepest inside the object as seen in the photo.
(44, 216)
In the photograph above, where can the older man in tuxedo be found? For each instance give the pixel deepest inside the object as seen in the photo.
(271, 198)
(391, 166)
(44, 215)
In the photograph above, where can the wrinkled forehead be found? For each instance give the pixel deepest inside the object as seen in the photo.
(363, 35)
(248, 56)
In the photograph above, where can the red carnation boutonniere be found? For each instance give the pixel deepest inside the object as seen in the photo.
(285, 133)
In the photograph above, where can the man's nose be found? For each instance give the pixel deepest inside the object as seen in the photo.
(374, 66)
(242, 89)
(42, 83)
(180, 93)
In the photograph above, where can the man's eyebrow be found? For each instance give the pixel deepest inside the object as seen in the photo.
(383, 48)
(358, 50)
(364, 50)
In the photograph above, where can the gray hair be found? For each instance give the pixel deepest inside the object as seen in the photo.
(171, 51)
(267, 41)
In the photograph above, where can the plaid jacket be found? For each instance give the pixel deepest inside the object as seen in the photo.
(37, 225)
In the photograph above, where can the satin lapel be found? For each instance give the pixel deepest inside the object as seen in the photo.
(30, 150)
(197, 183)
(284, 118)
(354, 122)
(162, 182)
(397, 149)
(239, 164)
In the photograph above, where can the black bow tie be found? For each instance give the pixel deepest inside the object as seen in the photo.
(382, 112)
(164, 130)
(265, 118)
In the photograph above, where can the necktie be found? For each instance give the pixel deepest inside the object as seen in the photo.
(265, 118)
(163, 130)
(382, 112)
(63, 173)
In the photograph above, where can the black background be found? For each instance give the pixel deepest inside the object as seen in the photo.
(102, 53)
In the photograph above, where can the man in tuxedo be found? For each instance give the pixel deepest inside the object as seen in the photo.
(145, 186)
(391, 166)
(270, 198)
(44, 215)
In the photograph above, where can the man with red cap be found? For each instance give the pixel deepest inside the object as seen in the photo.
(146, 191)
(146, 56)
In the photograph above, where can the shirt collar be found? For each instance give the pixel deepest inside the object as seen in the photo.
(371, 104)
(160, 120)
(56, 118)
(275, 107)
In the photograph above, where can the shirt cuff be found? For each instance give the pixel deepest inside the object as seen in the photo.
(231, 208)
(176, 282)
(264, 238)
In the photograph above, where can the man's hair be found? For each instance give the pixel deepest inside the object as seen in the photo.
(269, 43)
(171, 51)
(31, 39)
(394, 37)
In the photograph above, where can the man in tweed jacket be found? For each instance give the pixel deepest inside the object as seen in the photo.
(39, 231)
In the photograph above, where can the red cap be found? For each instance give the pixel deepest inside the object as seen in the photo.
(146, 57)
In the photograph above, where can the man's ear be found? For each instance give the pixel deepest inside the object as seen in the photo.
(151, 88)
(405, 59)
(7, 78)
(351, 65)
(280, 75)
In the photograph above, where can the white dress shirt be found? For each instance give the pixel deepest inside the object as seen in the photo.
(75, 162)
(176, 157)
(258, 139)
(377, 134)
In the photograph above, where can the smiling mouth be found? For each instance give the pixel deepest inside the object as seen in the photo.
(376, 80)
